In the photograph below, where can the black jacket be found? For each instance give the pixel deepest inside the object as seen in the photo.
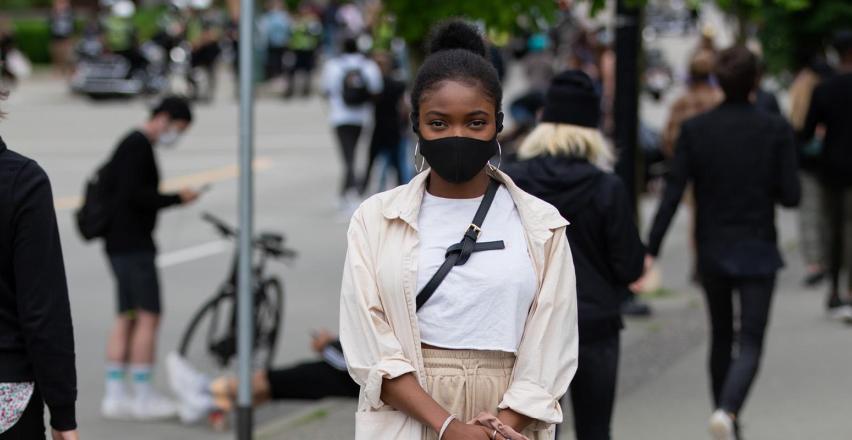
(36, 335)
(741, 162)
(607, 251)
(134, 180)
(831, 105)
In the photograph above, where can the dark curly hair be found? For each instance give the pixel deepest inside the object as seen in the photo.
(456, 53)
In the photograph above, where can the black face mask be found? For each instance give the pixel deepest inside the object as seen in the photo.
(458, 159)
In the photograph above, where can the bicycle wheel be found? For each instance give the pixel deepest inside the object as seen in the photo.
(209, 342)
(269, 307)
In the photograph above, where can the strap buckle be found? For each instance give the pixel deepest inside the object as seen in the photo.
(475, 229)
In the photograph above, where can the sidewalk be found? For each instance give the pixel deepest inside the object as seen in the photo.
(802, 392)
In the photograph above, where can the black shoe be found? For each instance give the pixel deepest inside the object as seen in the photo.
(814, 279)
(635, 308)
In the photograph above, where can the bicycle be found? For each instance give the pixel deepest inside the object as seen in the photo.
(210, 340)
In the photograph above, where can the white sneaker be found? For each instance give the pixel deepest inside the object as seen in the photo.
(722, 426)
(117, 407)
(841, 313)
(190, 386)
(153, 406)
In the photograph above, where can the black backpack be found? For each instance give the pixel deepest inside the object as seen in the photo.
(94, 216)
(355, 91)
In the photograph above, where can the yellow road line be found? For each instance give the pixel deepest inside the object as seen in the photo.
(176, 183)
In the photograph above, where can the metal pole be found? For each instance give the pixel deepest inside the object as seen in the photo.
(627, 48)
(246, 194)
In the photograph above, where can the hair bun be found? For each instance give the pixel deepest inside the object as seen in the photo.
(456, 34)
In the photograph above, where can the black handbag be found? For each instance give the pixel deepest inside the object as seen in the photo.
(459, 253)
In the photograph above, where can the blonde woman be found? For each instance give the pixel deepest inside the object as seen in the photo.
(563, 162)
(495, 344)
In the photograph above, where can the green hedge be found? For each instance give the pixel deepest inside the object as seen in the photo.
(32, 35)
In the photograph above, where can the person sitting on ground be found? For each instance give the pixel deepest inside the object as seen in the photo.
(200, 395)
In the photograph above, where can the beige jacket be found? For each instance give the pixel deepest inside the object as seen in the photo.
(378, 322)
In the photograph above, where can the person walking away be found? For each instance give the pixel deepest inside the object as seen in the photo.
(701, 95)
(561, 163)
(387, 129)
(741, 162)
(61, 23)
(275, 26)
(134, 177)
(831, 107)
(350, 82)
(813, 237)
(37, 343)
(307, 31)
(440, 326)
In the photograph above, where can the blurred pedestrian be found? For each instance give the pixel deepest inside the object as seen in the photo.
(37, 343)
(831, 107)
(813, 234)
(201, 395)
(387, 128)
(494, 337)
(121, 35)
(563, 163)
(135, 198)
(61, 23)
(275, 26)
(350, 81)
(741, 161)
(763, 98)
(304, 42)
(701, 95)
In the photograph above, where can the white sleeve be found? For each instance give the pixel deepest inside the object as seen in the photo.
(374, 77)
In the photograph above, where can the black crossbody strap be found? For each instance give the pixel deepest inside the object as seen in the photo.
(459, 253)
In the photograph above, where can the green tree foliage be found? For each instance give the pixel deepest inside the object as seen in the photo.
(414, 18)
(791, 36)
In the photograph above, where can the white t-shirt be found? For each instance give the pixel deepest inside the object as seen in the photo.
(483, 304)
(332, 84)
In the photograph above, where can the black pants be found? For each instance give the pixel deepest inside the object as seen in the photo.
(836, 199)
(311, 381)
(732, 373)
(274, 61)
(304, 64)
(347, 137)
(593, 388)
(391, 153)
(31, 424)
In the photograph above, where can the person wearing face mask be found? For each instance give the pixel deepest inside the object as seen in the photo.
(458, 300)
(133, 176)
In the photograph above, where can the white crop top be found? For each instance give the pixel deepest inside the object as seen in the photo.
(483, 304)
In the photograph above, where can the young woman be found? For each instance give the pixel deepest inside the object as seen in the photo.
(563, 159)
(496, 343)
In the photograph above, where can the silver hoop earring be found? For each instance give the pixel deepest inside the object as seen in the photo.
(419, 169)
(499, 157)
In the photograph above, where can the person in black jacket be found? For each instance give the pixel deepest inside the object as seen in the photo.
(134, 180)
(562, 156)
(741, 161)
(830, 109)
(36, 334)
